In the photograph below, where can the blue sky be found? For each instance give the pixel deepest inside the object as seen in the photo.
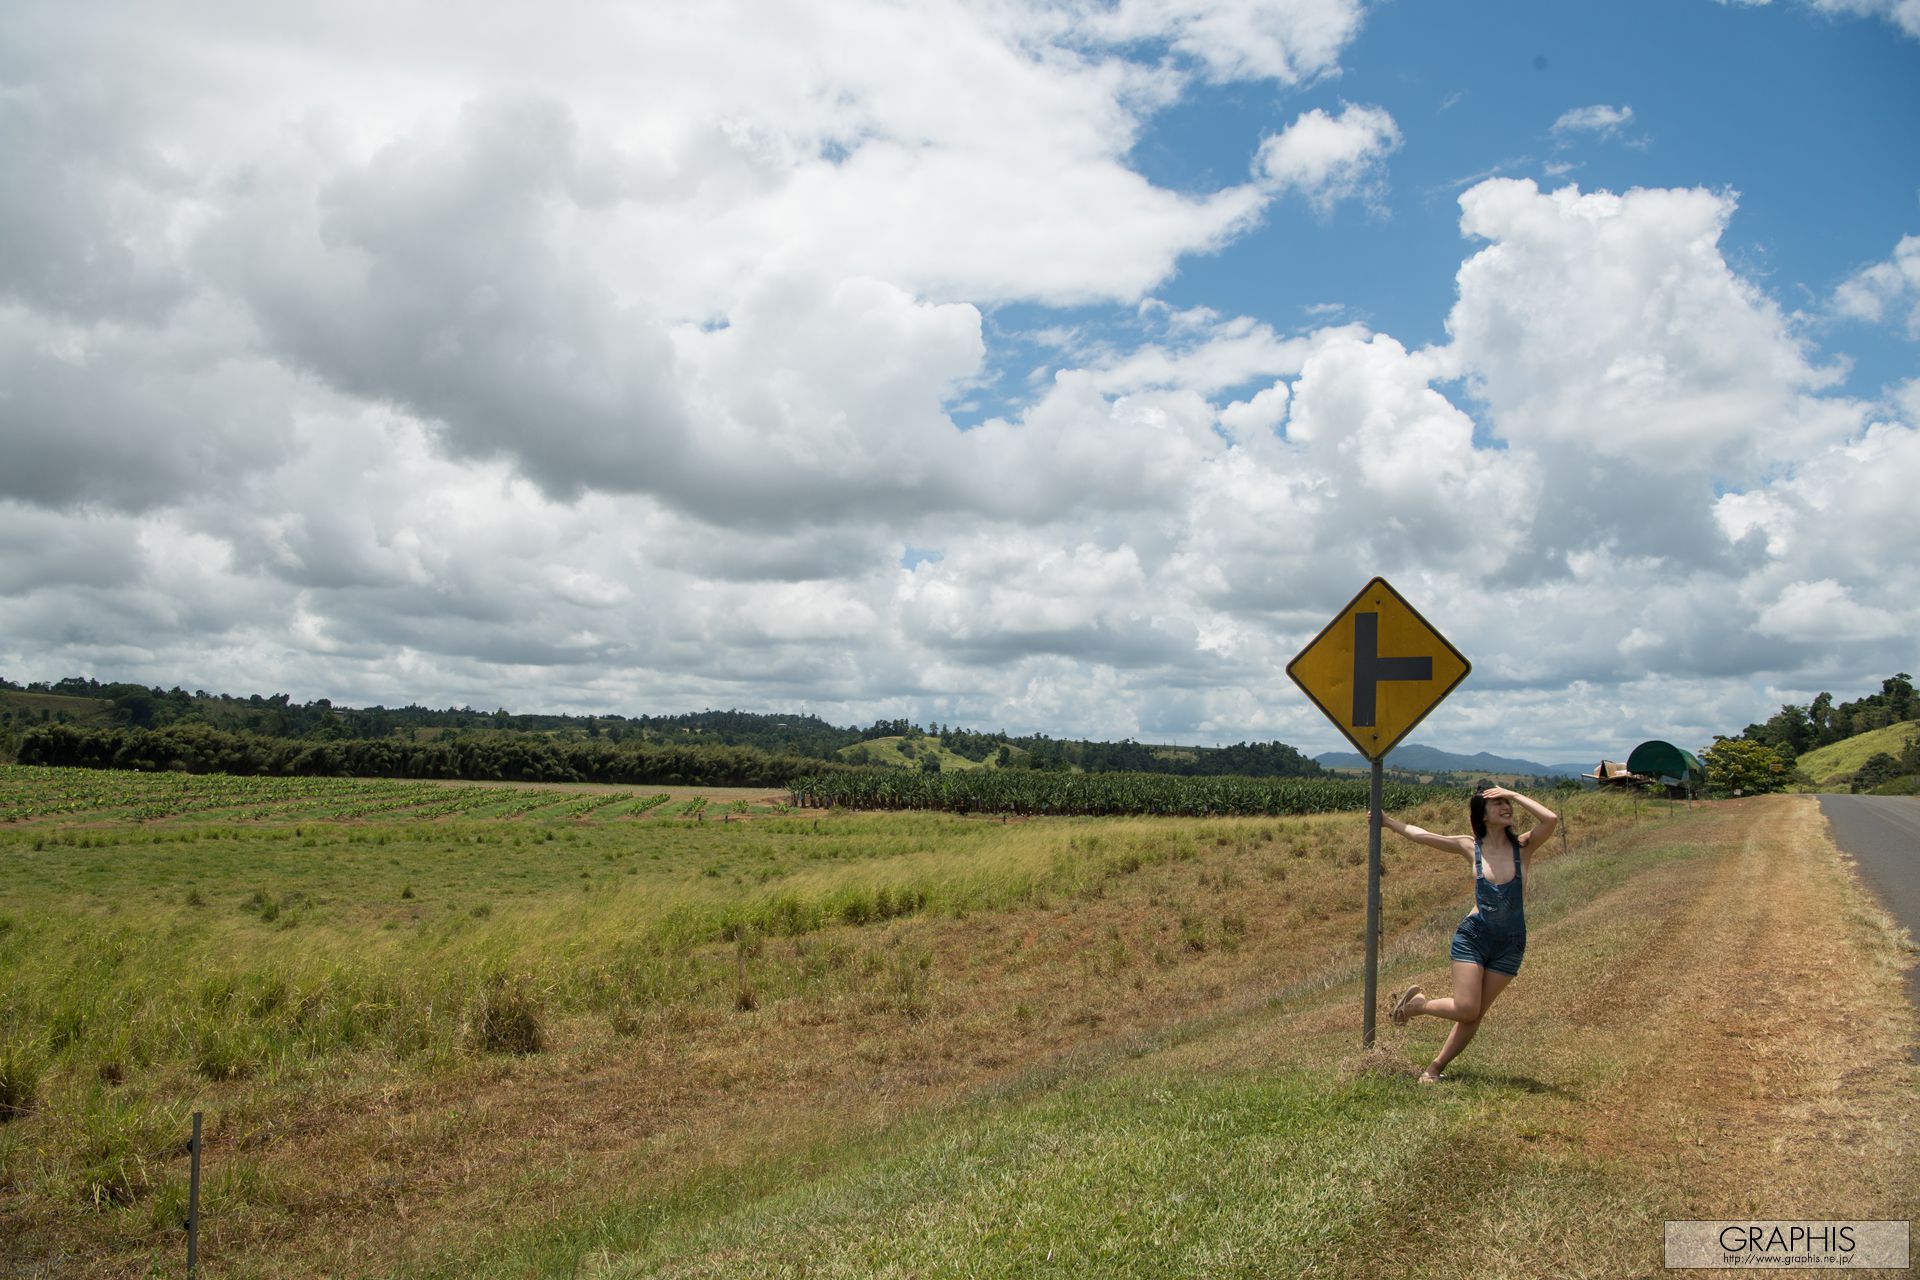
(1812, 119)
(1042, 366)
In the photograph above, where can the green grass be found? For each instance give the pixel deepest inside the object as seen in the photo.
(1835, 764)
(148, 963)
(144, 952)
(1150, 1161)
(139, 911)
(1153, 1161)
(1142, 1174)
(283, 938)
(1075, 1181)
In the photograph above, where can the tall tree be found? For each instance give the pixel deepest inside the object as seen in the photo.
(1744, 766)
(1898, 689)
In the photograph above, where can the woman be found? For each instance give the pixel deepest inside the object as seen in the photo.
(1490, 942)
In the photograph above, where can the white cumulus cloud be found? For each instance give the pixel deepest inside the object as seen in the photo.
(1600, 119)
(1613, 324)
(1283, 40)
(1885, 289)
(1329, 158)
(1904, 14)
(612, 364)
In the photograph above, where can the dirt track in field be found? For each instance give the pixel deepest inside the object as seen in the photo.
(1761, 1033)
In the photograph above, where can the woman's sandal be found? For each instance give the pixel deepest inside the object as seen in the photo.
(1430, 1076)
(1400, 1012)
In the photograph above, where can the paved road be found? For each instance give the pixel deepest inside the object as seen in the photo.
(1883, 835)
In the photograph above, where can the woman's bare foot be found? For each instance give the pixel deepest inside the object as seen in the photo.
(1430, 1076)
(1406, 1004)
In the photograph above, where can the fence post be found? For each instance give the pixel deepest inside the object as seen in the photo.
(193, 1201)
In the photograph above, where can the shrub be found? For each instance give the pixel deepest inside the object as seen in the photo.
(1879, 769)
(507, 1019)
(20, 1067)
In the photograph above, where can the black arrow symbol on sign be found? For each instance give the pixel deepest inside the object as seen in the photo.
(1369, 668)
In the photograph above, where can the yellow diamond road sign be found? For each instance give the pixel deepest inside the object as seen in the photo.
(1377, 669)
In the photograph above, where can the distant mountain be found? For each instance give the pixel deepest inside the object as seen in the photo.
(1416, 758)
(1579, 770)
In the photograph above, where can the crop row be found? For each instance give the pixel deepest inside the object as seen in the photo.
(27, 793)
(38, 792)
(650, 803)
(1035, 792)
(590, 804)
(525, 801)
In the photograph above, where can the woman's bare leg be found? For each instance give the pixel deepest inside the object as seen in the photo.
(1474, 989)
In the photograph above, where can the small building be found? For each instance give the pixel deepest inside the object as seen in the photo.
(1680, 772)
(1614, 773)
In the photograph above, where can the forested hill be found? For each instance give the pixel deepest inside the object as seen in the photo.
(1248, 759)
(86, 702)
(1793, 730)
(277, 716)
(1824, 745)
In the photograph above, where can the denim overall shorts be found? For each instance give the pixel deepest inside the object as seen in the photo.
(1494, 933)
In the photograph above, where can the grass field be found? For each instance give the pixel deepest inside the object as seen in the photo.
(473, 1031)
(1834, 766)
(912, 753)
(30, 707)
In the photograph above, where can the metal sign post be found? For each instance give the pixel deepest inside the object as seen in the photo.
(1376, 671)
(1373, 906)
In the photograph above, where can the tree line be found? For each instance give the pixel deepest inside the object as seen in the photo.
(199, 748)
(135, 706)
(1244, 759)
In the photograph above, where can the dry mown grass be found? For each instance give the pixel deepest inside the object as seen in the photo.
(1719, 1036)
(1761, 1028)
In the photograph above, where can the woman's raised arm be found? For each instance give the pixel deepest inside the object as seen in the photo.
(1462, 845)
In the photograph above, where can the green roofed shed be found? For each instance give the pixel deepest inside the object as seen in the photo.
(1668, 765)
